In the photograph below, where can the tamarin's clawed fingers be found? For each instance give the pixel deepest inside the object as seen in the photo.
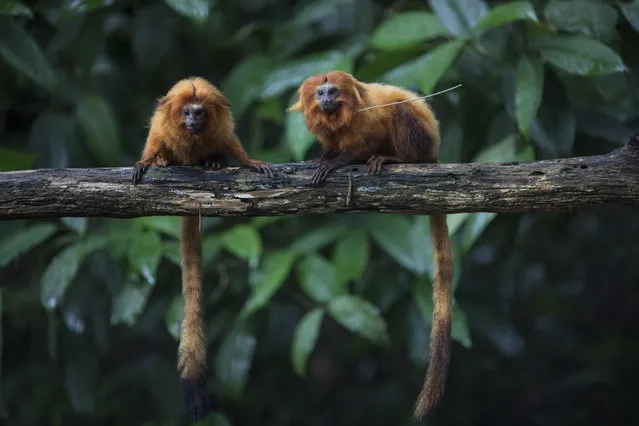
(192, 125)
(332, 105)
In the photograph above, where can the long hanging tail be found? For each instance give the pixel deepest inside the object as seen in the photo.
(435, 380)
(192, 347)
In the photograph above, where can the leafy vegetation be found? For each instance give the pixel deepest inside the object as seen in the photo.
(318, 320)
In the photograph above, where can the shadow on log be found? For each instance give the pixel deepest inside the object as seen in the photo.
(542, 186)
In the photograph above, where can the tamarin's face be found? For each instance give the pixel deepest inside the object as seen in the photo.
(194, 117)
(327, 95)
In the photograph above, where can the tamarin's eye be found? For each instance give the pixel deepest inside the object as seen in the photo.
(332, 90)
(320, 92)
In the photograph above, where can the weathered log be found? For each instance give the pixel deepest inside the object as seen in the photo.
(549, 185)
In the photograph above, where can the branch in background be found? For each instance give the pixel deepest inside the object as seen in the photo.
(550, 185)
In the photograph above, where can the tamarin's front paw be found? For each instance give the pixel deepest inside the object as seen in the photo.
(138, 170)
(212, 164)
(263, 167)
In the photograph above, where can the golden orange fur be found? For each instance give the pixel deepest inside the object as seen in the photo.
(171, 142)
(404, 133)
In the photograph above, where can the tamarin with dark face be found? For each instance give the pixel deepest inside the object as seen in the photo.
(404, 133)
(192, 125)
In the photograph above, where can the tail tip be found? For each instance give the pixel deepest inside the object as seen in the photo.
(198, 402)
(426, 401)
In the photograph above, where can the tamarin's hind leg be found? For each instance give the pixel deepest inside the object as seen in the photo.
(376, 162)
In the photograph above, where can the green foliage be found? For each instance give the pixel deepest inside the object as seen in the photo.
(99, 302)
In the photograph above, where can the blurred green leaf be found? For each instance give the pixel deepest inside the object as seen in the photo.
(529, 87)
(505, 151)
(554, 128)
(455, 221)
(63, 268)
(11, 159)
(77, 224)
(245, 242)
(406, 29)
(268, 279)
(459, 327)
(419, 336)
(81, 379)
(196, 10)
(359, 316)
(579, 55)
(24, 240)
(304, 339)
(15, 8)
(631, 12)
(293, 73)
(144, 255)
(506, 13)
(426, 70)
(316, 275)
(173, 316)
(83, 6)
(297, 136)
(591, 18)
(243, 84)
(406, 241)
(458, 16)
(100, 128)
(474, 227)
(234, 359)
(350, 256)
(151, 35)
(51, 136)
(423, 297)
(129, 302)
(169, 225)
(23, 53)
(318, 238)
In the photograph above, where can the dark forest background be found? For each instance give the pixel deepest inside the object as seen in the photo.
(320, 320)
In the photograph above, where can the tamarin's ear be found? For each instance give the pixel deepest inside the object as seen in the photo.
(296, 106)
(359, 92)
(163, 100)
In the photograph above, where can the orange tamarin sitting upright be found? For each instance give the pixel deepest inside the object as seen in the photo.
(192, 125)
(402, 133)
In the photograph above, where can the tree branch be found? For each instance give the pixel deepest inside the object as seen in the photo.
(550, 185)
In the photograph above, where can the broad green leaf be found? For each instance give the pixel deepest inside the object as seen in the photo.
(458, 16)
(293, 73)
(15, 8)
(234, 359)
(129, 302)
(426, 70)
(268, 279)
(459, 327)
(359, 316)
(455, 221)
(24, 240)
(196, 10)
(77, 224)
(245, 242)
(316, 275)
(406, 241)
(631, 12)
(350, 256)
(579, 55)
(20, 51)
(83, 6)
(297, 136)
(593, 19)
(10, 159)
(63, 268)
(243, 84)
(423, 297)
(100, 128)
(474, 227)
(554, 128)
(144, 255)
(406, 29)
(505, 151)
(173, 316)
(169, 225)
(304, 339)
(52, 136)
(529, 88)
(418, 337)
(508, 12)
(318, 238)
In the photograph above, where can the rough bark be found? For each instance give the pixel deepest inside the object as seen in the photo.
(550, 185)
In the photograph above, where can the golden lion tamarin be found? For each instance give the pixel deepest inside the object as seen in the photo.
(192, 125)
(402, 133)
